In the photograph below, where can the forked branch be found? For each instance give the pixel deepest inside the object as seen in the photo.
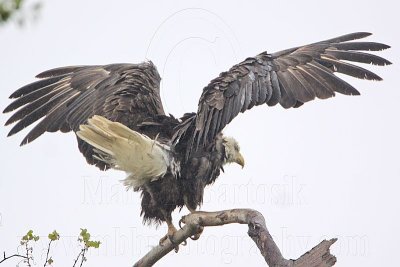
(319, 256)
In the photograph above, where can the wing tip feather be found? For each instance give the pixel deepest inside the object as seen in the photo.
(26, 140)
(360, 35)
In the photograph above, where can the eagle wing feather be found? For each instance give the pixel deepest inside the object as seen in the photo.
(290, 77)
(67, 97)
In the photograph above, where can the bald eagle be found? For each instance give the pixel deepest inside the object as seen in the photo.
(117, 115)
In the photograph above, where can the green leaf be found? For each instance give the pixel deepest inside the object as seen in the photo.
(93, 244)
(85, 235)
(28, 236)
(54, 236)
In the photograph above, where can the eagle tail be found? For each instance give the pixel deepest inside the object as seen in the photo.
(141, 157)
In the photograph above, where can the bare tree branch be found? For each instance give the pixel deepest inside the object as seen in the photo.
(9, 257)
(47, 254)
(81, 253)
(319, 256)
(28, 257)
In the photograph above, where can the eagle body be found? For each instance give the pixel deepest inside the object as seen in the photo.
(185, 188)
(165, 183)
(117, 114)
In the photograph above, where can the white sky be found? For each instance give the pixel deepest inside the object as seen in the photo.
(328, 169)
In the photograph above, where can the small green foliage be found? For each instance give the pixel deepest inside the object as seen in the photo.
(84, 237)
(8, 8)
(19, 11)
(93, 244)
(54, 236)
(29, 237)
(28, 247)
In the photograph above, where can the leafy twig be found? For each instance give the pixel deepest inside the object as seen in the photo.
(25, 242)
(53, 237)
(84, 238)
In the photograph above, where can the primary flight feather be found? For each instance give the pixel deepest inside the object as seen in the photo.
(118, 117)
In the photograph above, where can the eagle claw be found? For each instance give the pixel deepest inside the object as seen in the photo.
(170, 236)
(182, 220)
(197, 236)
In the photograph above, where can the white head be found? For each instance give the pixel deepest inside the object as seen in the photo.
(232, 151)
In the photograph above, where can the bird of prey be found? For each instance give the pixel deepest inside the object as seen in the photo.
(117, 115)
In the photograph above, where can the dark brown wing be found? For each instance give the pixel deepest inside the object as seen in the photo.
(66, 97)
(290, 78)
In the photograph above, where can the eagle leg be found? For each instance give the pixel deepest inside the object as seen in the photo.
(171, 231)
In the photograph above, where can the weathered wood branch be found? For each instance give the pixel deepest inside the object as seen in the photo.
(319, 256)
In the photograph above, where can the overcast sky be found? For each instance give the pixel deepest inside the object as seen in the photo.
(329, 169)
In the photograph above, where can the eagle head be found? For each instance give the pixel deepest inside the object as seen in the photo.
(232, 151)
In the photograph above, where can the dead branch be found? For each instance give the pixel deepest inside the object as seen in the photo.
(12, 256)
(319, 256)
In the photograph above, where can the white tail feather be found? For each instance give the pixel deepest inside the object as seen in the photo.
(142, 158)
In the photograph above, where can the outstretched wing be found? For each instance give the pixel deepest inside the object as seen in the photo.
(290, 77)
(66, 97)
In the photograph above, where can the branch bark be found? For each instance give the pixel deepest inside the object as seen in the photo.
(319, 256)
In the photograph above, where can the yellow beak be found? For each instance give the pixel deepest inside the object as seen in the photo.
(240, 160)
